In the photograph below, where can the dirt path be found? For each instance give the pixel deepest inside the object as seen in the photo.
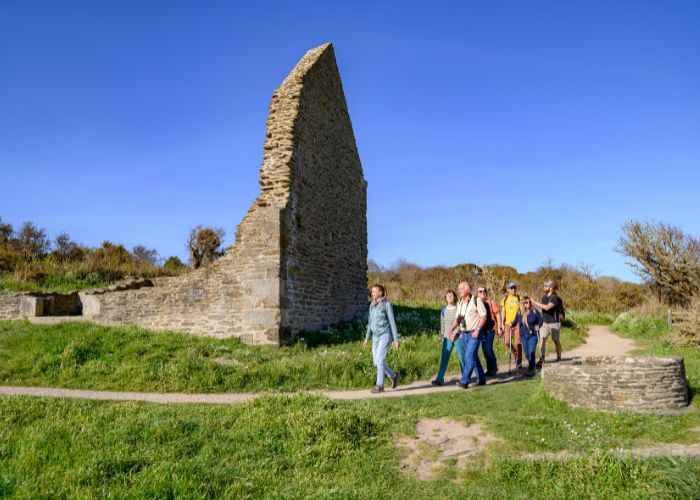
(599, 341)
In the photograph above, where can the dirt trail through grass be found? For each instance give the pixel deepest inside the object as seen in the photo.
(600, 341)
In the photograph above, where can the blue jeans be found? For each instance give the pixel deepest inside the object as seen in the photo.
(380, 346)
(471, 358)
(489, 354)
(447, 346)
(529, 343)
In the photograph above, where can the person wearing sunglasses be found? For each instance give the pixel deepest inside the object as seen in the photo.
(529, 322)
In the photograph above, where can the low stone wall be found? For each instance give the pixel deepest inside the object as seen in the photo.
(10, 305)
(616, 383)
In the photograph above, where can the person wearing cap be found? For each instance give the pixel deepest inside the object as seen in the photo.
(511, 306)
(552, 308)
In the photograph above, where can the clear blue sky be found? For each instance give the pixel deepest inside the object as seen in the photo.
(547, 124)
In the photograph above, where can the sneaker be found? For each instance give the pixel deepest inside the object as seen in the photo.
(558, 359)
(519, 366)
(463, 386)
(539, 363)
(395, 380)
(377, 389)
(481, 383)
(437, 383)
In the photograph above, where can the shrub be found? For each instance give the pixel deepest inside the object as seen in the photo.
(204, 245)
(665, 257)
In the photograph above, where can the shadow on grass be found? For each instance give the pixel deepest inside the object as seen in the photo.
(410, 321)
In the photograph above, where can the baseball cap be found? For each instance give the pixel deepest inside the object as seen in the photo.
(549, 283)
(512, 285)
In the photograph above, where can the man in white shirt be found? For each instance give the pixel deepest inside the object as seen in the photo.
(469, 321)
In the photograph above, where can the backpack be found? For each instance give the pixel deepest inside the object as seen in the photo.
(489, 324)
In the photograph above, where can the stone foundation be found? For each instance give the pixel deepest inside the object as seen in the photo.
(616, 383)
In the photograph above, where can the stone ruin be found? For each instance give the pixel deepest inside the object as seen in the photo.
(299, 260)
(619, 383)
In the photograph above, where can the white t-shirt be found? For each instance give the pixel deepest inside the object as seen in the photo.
(471, 312)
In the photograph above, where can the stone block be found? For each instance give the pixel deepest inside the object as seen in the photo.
(31, 306)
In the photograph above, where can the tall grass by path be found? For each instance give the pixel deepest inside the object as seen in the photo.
(88, 356)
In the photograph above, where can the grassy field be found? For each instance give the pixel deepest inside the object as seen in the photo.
(87, 356)
(308, 446)
(302, 446)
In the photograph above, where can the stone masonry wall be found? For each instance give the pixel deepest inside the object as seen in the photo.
(613, 383)
(299, 259)
(9, 305)
(324, 255)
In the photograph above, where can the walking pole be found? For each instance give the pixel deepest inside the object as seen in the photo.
(510, 347)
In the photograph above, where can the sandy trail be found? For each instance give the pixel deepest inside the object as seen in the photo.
(600, 341)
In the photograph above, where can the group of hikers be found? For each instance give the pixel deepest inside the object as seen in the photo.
(468, 322)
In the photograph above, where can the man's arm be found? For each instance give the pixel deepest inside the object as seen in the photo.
(544, 307)
(452, 327)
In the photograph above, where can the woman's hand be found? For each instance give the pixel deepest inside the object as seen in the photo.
(475, 334)
(365, 343)
(396, 344)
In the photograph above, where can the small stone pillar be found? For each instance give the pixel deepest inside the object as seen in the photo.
(31, 306)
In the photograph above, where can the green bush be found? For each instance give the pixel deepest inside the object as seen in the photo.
(645, 327)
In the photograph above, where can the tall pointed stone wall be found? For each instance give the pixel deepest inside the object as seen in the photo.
(299, 259)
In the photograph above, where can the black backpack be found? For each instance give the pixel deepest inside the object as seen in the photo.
(490, 323)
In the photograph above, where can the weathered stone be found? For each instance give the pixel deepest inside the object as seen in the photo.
(615, 383)
(31, 306)
(300, 253)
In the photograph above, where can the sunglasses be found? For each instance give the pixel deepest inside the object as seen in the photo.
(482, 291)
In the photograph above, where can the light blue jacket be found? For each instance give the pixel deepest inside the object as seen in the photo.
(381, 320)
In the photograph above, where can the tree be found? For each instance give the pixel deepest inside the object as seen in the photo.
(204, 245)
(374, 267)
(144, 256)
(5, 232)
(173, 265)
(66, 249)
(665, 257)
(31, 241)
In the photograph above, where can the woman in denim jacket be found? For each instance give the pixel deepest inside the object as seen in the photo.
(381, 326)
(529, 321)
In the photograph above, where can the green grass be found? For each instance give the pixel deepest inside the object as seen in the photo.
(61, 284)
(88, 356)
(301, 446)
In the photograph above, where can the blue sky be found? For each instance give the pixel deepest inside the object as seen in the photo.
(545, 124)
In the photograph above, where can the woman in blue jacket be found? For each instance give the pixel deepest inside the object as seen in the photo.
(381, 327)
(529, 321)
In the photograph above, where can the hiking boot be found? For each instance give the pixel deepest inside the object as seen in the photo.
(395, 380)
(539, 363)
(437, 383)
(377, 389)
(463, 386)
(519, 366)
